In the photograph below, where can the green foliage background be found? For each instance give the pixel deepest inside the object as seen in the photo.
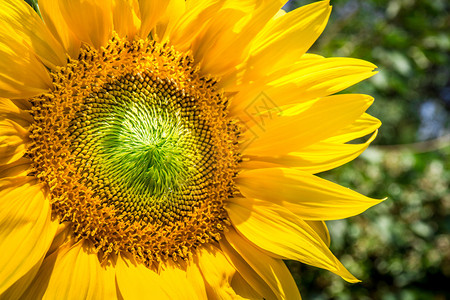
(400, 249)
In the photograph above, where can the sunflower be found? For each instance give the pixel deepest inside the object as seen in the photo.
(167, 149)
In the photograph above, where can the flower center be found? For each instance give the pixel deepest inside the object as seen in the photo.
(136, 149)
(140, 151)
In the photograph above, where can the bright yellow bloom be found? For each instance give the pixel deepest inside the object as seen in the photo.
(167, 149)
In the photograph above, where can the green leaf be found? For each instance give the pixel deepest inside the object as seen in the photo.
(35, 6)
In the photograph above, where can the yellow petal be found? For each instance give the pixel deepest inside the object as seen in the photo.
(15, 291)
(291, 34)
(62, 236)
(217, 273)
(243, 289)
(126, 20)
(13, 141)
(321, 229)
(229, 34)
(72, 272)
(52, 15)
(189, 282)
(22, 75)
(308, 79)
(196, 279)
(165, 24)
(363, 126)
(135, 280)
(90, 20)
(248, 273)
(38, 286)
(22, 103)
(9, 110)
(315, 158)
(272, 271)
(306, 195)
(151, 12)
(26, 230)
(313, 122)
(322, 76)
(193, 21)
(215, 38)
(18, 168)
(22, 23)
(278, 231)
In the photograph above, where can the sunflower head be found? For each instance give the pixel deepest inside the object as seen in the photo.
(134, 147)
(143, 144)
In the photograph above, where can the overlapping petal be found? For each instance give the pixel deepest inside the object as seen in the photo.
(72, 272)
(151, 11)
(13, 141)
(259, 269)
(20, 22)
(26, 230)
(363, 126)
(91, 21)
(308, 78)
(243, 289)
(217, 272)
(229, 34)
(55, 22)
(308, 196)
(315, 158)
(167, 20)
(125, 17)
(291, 34)
(275, 229)
(17, 168)
(22, 75)
(320, 227)
(135, 280)
(306, 124)
(10, 111)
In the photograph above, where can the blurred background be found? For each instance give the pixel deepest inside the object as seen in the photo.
(400, 249)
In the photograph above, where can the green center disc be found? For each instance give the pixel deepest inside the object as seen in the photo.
(141, 151)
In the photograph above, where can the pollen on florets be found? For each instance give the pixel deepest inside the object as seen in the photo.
(137, 150)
